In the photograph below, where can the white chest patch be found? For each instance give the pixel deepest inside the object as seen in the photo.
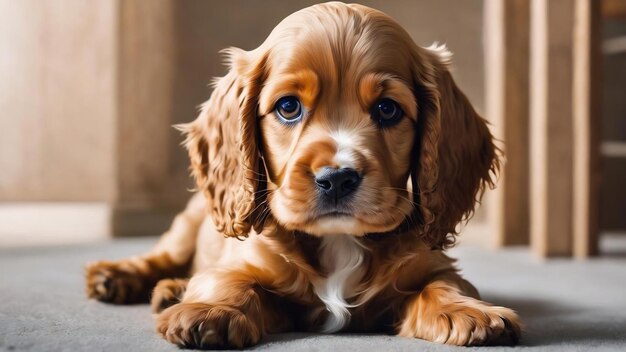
(341, 256)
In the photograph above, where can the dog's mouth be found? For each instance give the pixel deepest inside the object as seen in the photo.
(334, 214)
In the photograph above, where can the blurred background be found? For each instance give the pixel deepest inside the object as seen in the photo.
(90, 90)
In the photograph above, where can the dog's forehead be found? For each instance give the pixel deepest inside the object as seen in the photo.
(339, 40)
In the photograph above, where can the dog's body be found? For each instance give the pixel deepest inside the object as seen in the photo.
(345, 156)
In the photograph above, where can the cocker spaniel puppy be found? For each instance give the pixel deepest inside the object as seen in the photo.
(334, 163)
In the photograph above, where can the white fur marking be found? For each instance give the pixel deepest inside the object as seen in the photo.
(334, 225)
(202, 287)
(441, 50)
(343, 138)
(344, 157)
(342, 256)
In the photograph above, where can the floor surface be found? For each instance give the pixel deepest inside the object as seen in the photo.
(566, 305)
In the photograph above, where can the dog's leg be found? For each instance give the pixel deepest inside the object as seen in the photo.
(132, 280)
(223, 309)
(448, 311)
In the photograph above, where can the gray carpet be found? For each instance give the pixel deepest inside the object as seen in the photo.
(566, 305)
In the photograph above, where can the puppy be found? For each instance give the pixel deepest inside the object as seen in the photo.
(334, 163)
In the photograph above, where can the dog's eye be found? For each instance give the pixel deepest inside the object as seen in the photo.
(386, 112)
(289, 109)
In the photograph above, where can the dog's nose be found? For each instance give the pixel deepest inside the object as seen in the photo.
(337, 183)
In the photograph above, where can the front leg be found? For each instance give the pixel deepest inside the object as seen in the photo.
(130, 280)
(222, 309)
(448, 311)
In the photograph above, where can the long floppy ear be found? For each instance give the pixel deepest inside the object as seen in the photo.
(222, 146)
(456, 156)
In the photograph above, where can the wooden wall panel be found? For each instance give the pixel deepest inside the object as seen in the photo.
(507, 59)
(565, 117)
(551, 126)
(587, 114)
(145, 196)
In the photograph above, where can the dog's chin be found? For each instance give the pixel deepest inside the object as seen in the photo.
(335, 224)
(341, 224)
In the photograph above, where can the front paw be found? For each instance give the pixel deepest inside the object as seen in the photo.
(167, 293)
(204, 326)
(464, 323)
(114, 282)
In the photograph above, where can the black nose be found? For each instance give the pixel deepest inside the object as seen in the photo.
(337, 183)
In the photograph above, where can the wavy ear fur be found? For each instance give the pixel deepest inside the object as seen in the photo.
(456, 156)
(223, 150)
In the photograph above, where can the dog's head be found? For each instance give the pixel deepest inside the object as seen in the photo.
(339, 124)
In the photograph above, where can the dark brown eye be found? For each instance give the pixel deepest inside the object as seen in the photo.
(288, 109)
(386, 112)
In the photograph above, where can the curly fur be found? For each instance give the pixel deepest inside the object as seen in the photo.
(223, 149)
(457, 156)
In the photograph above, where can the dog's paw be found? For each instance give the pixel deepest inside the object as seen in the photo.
(167, 293)
(114, 282)
(469, 323)
(486, 325)
(199, 325)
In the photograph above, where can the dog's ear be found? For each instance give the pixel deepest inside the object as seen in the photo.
(455, 154)
(222, 146)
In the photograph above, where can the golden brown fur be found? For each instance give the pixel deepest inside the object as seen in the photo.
(379, 267)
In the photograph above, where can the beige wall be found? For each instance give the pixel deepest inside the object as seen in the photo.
(57, 98)
(93, 88)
